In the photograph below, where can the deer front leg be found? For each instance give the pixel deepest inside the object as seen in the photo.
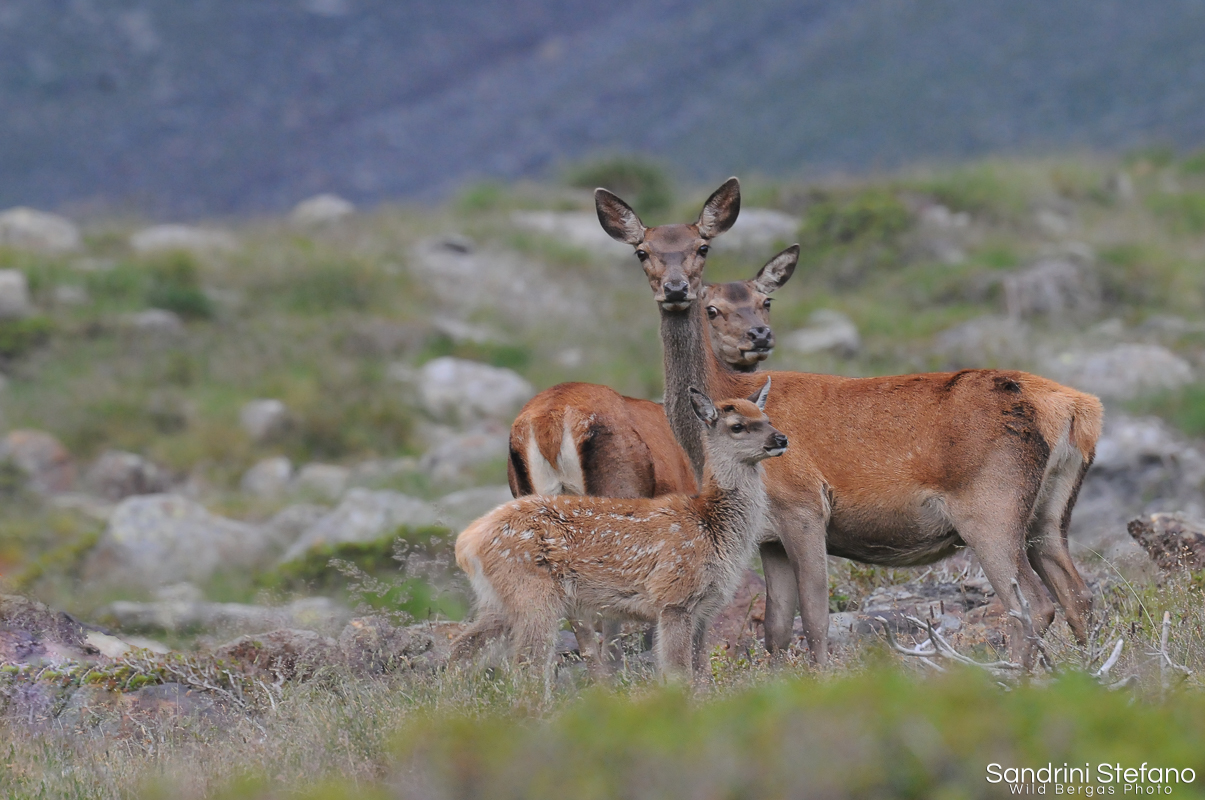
(781, 596)
(675, 643)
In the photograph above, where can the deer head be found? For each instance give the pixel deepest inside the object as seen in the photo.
(739, 430)
(673, 256)
(739, 313)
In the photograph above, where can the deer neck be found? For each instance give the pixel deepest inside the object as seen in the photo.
(735, 504)
(690, 361)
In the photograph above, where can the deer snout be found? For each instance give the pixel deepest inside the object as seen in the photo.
(761, 338)
(777, 444)
(676, 291)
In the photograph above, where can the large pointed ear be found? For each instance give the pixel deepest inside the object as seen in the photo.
(617, 218)
(704, 408)
(720, 210)
(777, 270)
(758, 398)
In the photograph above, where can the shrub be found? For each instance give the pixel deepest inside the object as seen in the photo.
(175, 286)
(640, 182)
(19, 336)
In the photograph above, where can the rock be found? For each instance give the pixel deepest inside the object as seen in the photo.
(757, 229)
(27, 229)
(14, 294)
(986, 341)
(454, 456)
(43, 459)
(71, 295)
(156, 322)
(364, 516)
(372, 646)
(27, 626)
(117, 475)
(454, 388)
(160, 238)
(939, 217)
(265, 419)
(1054, 287)
(283, 654)
(311, 613)
(290, 522)
(827, 330)
(268, 478)
(164, 538)
(108, 646)
(1121, 186)
(1122, 372)
(458, 509)
(574, 228)
(1173, 542)
(322, 209)
(1053, 223)
(324, 481)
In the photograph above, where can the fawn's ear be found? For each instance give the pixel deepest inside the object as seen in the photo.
(704, 408)
(758, 398)
(617, 218)
(721, 209)
(777, 270)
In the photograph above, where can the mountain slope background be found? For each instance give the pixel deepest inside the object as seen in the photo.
(222, 106)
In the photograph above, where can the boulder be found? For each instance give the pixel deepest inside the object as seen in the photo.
(757, 229)
(157, 539)
(1122, 372)
(117, 475)
(452, 457)
(28, 229)
(43, 459)
(1172, 541)
(373, 646)
(156, 322)
(29, 629)
(282, 654)
(322, 209)
(160, 238)
(268, 478)
(14, 294)
(462, 390)
(362, 517)
(458, 509)
(987, 341)
(291, 521)
(1053, 286)
(71, 295)
(323, 481)
(265, 419)
(827, 330)
(574, 228)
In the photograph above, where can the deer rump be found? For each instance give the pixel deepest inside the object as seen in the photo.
(585, 439)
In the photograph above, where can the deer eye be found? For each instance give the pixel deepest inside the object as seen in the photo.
(642, 255)
(766, 304)
(737, 427)
(712, 312)
(704, 250)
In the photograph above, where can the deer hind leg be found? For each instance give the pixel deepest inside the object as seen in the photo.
(489, 625)
(1047, 548)
(533, 630)
(675, 643)
(803, 530)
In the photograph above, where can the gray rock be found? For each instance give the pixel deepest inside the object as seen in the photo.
(1122, 372)
(311, 613)
(42, 458)
(986, 341)
(1053, 287)
(156, 539)
(324, 481)
(282, 654)
(451, 458)
(160, 238)
(458, 509)
(265, 419)
(71, 295)
(322, 209)
(574, 228)
(268, 478)
(457, 389)
(363, 516)
(117, 475)
(14, 294)
(827, 330)
(756, 229)
(290, 522)
(27, 229)
(156, 322)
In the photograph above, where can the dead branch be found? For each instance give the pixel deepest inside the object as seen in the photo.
(1026, 619)
(938, 647)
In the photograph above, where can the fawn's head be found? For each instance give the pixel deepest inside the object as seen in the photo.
(739, 429)
(673, 256)
(738, 313)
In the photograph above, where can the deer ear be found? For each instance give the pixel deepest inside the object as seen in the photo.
(758, 398)
(777, 270)
(704, 409)
(721, 209)
(617, 218)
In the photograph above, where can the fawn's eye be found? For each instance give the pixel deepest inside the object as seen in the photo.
(737, 428)
(642, 255)
(712, 312)
(704, 250)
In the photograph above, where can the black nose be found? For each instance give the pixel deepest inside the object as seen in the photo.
(779, 440)
(760, 335)
(675, 291)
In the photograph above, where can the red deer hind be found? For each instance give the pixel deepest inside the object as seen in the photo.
(897, 470)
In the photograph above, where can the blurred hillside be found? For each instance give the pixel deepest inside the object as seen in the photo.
(217, 106)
